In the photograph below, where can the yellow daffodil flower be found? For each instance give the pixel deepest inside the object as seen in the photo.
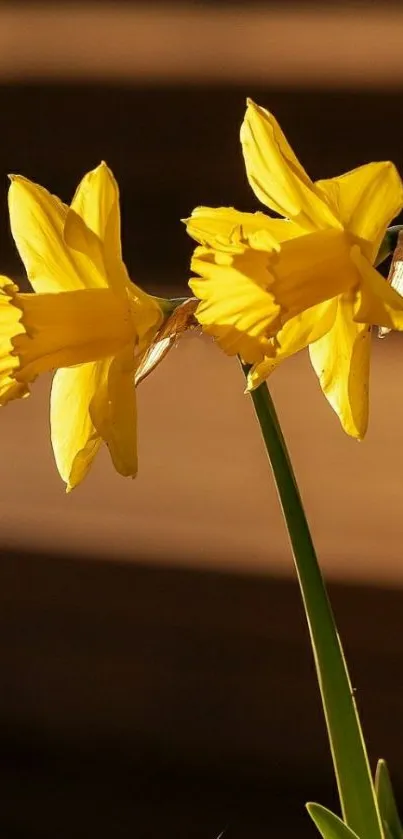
(86, 320)
(271, 286)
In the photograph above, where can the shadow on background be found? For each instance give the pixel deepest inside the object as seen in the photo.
(141, 700)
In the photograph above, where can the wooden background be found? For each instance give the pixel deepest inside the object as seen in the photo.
(152, 645)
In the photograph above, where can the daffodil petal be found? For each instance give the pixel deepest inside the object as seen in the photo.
(297, 334)
(97, 202)
(366, 200)
(37, 221)
(225, 228)
(376, 302)
(80, 238)
(74, 438)
(114, 412)
(341, 360)
(276, 176)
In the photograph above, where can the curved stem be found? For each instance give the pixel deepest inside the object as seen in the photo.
(347, 744)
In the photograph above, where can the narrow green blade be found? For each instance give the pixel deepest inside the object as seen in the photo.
(358, 801)
(386, 801)
(328, 824)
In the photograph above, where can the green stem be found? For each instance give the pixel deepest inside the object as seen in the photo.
(347, 744)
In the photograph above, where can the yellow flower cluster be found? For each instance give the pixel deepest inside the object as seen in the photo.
(267, 287)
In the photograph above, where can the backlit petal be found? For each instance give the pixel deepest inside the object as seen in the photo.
(74, 438)
(276, 176)
(297, 334)
(341, 361)
(114, 412)
(37, 221)
(376, 302)
(97, 203)
(366, 200)
(225, 228)
(176, 324)
(84, 243)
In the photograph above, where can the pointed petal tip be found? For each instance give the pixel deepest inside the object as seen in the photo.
(72, 481)
(21, 182)
(195, 212)
(257, 111)
(16, 180)
(103, 166)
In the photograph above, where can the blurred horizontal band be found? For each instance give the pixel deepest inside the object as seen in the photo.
(168, 44)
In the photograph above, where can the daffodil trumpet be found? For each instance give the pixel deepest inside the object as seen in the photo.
(85, 320)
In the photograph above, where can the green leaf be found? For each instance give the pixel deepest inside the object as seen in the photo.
(386, 802)
(328, 824)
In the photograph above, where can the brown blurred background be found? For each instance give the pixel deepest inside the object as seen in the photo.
(155, 671)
